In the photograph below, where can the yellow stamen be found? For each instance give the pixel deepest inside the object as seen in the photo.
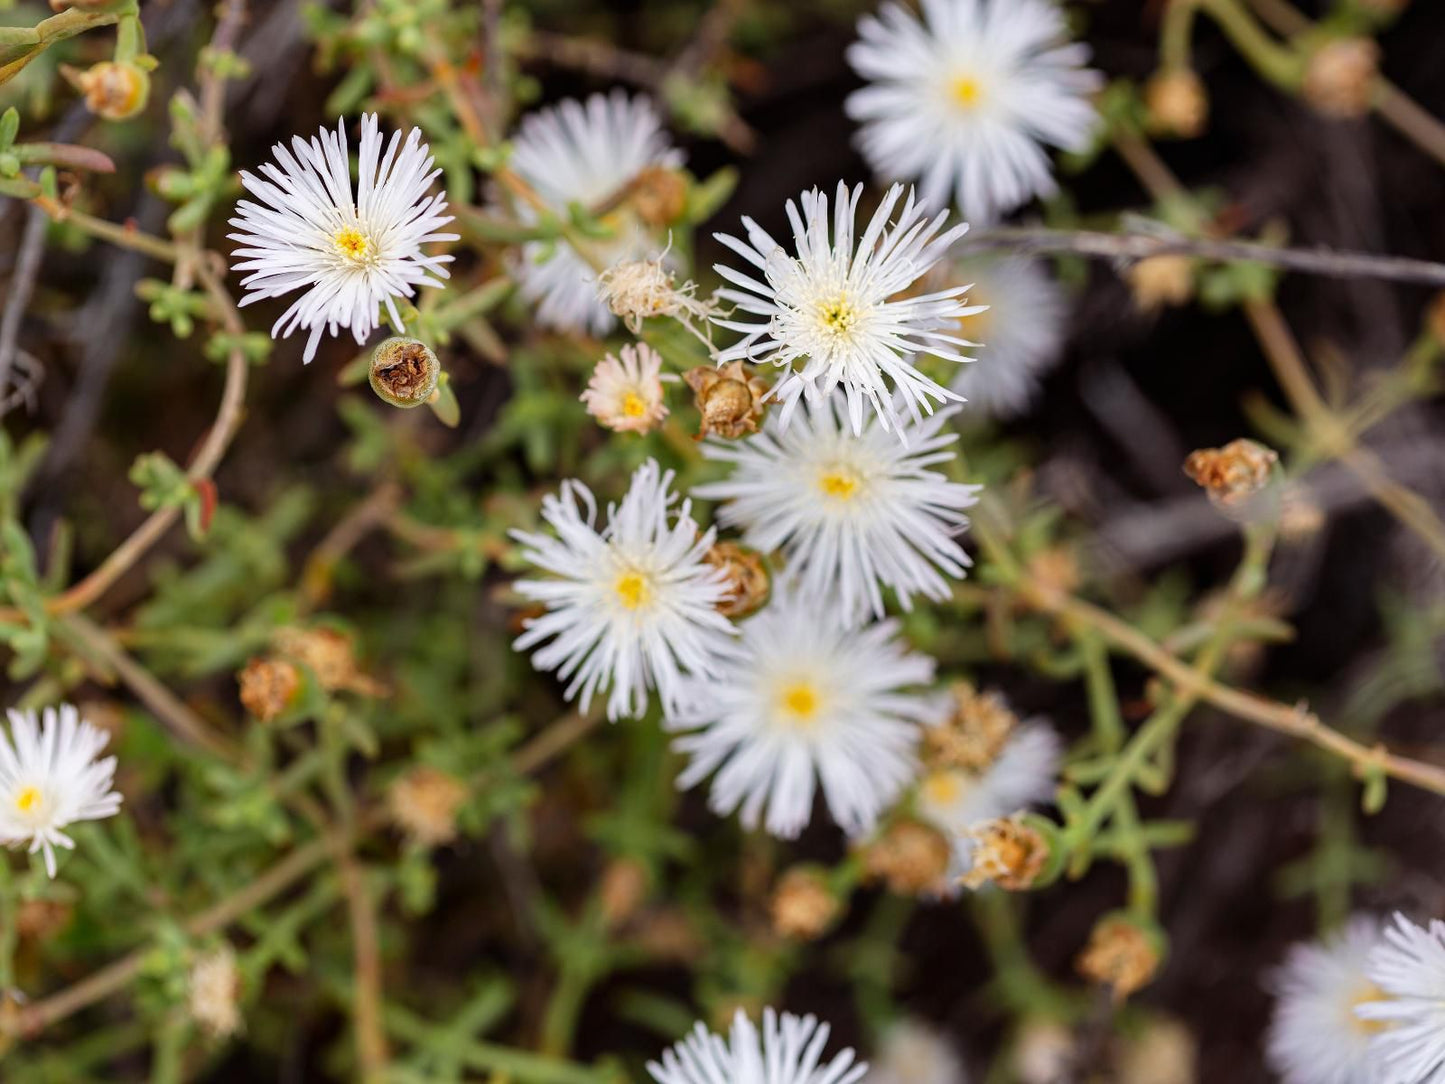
(966, 91)
(837, 316)
(27, 799)
(800, 700)
(840, 482)
(633, 405)
(632, 590)
(352, 243)
(943, 788)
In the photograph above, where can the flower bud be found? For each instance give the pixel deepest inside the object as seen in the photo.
(1233, 476)
(803, 906)
(1176, 103)
(1341, 77)
(404, 372)
(729, 399)
(1122, 955)
(746, 577)
(269, 687)
(1007, 852)
(1160, 281)
(911, 858)
(424, 802)
(113, 90)
(974, 733)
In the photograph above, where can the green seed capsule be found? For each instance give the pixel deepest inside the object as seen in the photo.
(404, 372)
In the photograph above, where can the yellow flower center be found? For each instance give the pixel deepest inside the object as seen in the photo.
(976, 325)
(352, 244)
(1368, 992)
(633, 405)
(837, 316)
(841, 483)
(943, 788)
(799, 701)
(632, 590)
(28, 800)
(966, 91)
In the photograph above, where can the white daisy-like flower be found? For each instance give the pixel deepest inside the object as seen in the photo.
(631, 606)
(1021, 333)
(50, 777)
(585, 153)
(351, 252)
(965, 100)
(625, 391)
(841, 309)
(1407, 967)
(852, 513)
(954, 799)
(1315, 1037)
(913, 1052)
(804, 700)
(788, 1051)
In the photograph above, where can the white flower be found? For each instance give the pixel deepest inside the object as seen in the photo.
(626, 395)
(350, 254)
(835, 305)
(1021, 333)
(631, 606)
(852, 513)
(1315, 1036)
(584, 153)
(1408, 968)
(965, 100)
(49, 778)
(789, 1051)
(913, 1052)
(804, 700)
(955, 799)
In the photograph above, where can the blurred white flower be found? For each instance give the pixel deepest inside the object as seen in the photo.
(789, 1051)
(1021, 333)
(804, 700)
(584, 153)
(349, 253)
(965, 100)
(912, 1052)
(625, 390)
(630, 606)
(840, 307)
(1315, 1037)
(852, 513)
(50, 777)
(1407, 968)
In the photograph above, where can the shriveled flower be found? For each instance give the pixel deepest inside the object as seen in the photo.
(966, 99)
(747, 578)
(622, 890)
(50, 777)
(1020, 328)
(350, 249)
(1233, 475)
(630, 607)
(586, 153)
(803, 906)
(1162, 281)
(853, 512)
(214, 988)
(841, 308)
(424, 803)
(803, 700)
(789, 1051)
(1407, 967)
(1342, 77)
(973, 734)
(1121, 956)
(330, 654)
(910, 857)
(1007, 852)
(115, 90)
(635, 290)
(1176, 103)
(730, 399)
(914, 1052)
(269, 687)
(1315, 1036)
(625, 390)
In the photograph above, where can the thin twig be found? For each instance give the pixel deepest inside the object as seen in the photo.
(1130, 247)
(371, 1049)
(17, 299)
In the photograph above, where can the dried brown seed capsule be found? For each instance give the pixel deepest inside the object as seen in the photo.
(803, 906)
(1160, 281)
(330, 655)
(1006, 852)
(1121, 956)
(1341, 77)
(269, 687)
(911, 858)
(1177, 103)
(974, 733)
(424, 802)
(746, 575)
(404, 372)
(730, 399)
(1232, 475)
(115, 91)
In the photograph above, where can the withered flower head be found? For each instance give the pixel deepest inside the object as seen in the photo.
(215, 988)
(330, 655)
(1341, 77)
(268, 687)
(622, 891)
(1160, 281)
(1008, 853)
(1176, 103)
(974, 733)
(730, 399)
(746, 576)
(1121, 956)
(424, 803)
(115, 91)
(404, 372)
(1233, 474)
(911, 858)
(658, 195)
(803, 906)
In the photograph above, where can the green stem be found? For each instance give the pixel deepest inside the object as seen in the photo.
(1277, 63)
